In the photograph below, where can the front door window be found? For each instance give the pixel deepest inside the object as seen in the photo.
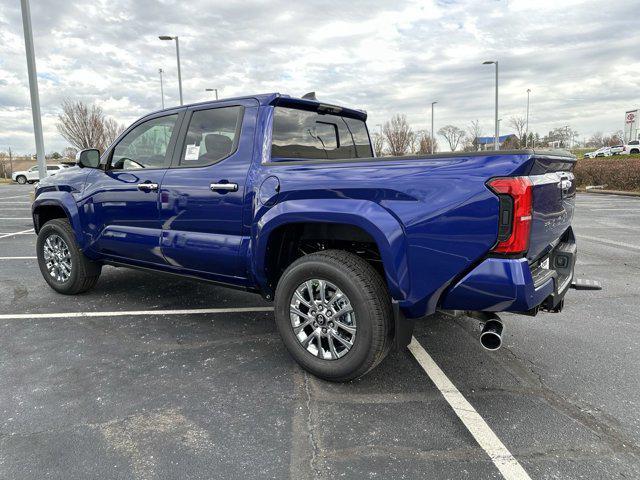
(145, 146)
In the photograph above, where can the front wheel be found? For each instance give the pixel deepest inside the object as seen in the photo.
(62, 264)
(21, 179)
(334, 314)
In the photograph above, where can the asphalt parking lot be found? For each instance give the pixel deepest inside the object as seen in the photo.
(156, 377)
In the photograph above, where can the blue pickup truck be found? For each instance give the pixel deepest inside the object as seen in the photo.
(284, 197)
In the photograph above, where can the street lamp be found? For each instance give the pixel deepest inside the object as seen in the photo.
(526, 134)
(491, 62)
(432, 138)
(161, 88)
(168, 37)
(212, 90)
(33, 89)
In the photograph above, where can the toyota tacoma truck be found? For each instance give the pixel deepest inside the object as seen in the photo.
(284, 197)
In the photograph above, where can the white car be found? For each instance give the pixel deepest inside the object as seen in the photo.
(633, 147)
(31, 175)
(601, 152)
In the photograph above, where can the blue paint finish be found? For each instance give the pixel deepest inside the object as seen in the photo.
(202, 230)
(120, 220)
(498, 285)
(432, 217)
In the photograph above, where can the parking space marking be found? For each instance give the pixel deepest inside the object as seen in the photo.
(18, 258)
(133, 313)
(486, 438)
(14, 203)
(16, 196)
(16, 218)
(612, 243)
(23, 232)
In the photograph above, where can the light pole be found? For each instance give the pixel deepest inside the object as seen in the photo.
(526, 132)
(169, 37)
(161, 88)
(212, 90)
(33, 88)
(496, 144)
(433, 140)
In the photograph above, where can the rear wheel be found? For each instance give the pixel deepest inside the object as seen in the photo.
(62, 264)
(334, 314)
(21, 179)
(635, 151)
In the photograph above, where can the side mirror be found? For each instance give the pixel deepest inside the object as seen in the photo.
(89, 158)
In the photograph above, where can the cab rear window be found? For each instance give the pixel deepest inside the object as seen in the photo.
(303, 134)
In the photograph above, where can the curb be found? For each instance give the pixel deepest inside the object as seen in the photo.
(612, 192)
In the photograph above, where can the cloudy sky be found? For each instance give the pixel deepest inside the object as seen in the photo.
(581, 59)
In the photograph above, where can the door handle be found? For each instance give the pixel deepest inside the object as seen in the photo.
(148, 187)
(229, 187)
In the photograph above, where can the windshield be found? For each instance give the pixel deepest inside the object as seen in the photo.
(304, 134)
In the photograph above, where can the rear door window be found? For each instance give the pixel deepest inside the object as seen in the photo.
(303, 134)
(212, 136)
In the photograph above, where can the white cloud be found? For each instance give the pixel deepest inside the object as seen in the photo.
(579, 58)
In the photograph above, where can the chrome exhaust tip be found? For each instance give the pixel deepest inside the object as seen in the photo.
(491, 336)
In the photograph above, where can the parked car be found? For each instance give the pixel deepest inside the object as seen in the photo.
(31, 175)
(601, 152)
(617, 149)
(633, 147)
(283, 197)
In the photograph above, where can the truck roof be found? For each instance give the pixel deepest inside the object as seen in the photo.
(282, 100)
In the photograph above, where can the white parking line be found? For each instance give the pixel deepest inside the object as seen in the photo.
(605, 241)
(193, 311)
(15, 196)
(486, 438)
(23, 232)
(14, 203)
(18, 258)
(16, 218)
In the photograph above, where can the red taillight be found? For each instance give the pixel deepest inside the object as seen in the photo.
(516, 203)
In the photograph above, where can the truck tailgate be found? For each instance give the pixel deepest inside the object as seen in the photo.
(554, 195)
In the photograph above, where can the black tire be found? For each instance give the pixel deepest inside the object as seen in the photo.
(84, 272)
(21, 179)
(635, 151)
(369, 299)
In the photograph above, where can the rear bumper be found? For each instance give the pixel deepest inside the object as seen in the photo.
(508, 285)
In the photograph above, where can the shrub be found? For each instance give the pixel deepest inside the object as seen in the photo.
(617, 173)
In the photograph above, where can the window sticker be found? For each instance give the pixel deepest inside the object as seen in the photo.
(192, 153)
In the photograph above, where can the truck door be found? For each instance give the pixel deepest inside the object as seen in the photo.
(203, 194)
(120, 210)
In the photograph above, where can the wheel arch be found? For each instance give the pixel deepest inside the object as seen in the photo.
(361, 217)
(50, 205)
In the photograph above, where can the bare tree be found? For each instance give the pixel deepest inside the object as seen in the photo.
(475, 131)
(596, 140)
(453, 135)
(86, 126)
(519, 124)
(111, 131)
(70, 153)
(378, 144)
(398, 135)
(424, 142)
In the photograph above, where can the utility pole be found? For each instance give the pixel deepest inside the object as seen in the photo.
(33, 88)
(161, 88)
(526, 136)
(433, 140)
(10, 161)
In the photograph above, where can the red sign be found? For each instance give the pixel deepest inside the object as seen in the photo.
(631, 116)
